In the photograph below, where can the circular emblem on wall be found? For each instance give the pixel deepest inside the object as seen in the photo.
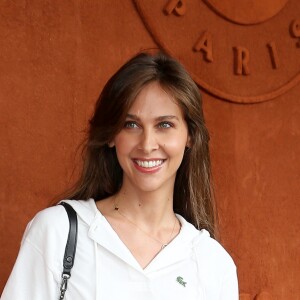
(240, 51)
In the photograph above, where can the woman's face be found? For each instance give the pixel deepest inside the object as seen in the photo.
(151, 145)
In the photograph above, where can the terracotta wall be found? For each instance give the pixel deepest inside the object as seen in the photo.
(55, 57)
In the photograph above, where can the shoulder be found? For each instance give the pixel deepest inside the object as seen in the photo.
(217, 270)
(210, 254)
(47, 224)
(55, 217)
(48, 215)
(207, 250)
(53, 222)
(205, 245)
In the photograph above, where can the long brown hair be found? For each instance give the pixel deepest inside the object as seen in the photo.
(102, 175)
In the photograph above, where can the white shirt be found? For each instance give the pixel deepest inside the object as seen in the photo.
(193, 266)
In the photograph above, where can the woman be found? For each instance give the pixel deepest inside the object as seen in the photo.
(147, 228)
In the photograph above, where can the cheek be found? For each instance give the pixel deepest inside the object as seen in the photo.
(175, 146)
(123, 144)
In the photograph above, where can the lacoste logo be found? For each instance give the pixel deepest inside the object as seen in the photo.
(180, 281)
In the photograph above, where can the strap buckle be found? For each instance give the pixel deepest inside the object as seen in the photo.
(64, 285)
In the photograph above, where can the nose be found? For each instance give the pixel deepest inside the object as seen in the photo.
(148, 141)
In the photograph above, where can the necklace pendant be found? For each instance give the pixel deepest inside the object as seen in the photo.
(164, 246)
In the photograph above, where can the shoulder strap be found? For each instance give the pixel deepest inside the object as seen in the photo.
(70, 250)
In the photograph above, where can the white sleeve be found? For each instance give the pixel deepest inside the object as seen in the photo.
(230, 290)
(30, 278)
(217, 269)
(37, 271)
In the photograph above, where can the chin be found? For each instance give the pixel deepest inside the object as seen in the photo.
(152, 185)
(148, 188)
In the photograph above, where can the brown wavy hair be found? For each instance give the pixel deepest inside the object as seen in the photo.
(102, 175)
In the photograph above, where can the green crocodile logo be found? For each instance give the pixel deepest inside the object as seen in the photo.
(179, 279)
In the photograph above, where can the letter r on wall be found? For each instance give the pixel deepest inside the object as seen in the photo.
(241, 61)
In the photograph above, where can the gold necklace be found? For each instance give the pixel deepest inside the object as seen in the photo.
(153, 238)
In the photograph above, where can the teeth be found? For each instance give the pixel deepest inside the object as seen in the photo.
(149, 163)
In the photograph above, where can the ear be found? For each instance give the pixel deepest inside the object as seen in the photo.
(188, 142)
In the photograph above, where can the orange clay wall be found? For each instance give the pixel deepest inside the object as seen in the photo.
(55, 57)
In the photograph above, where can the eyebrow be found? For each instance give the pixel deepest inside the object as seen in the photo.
(160, 118)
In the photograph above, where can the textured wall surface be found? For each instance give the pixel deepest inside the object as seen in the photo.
(55, 57)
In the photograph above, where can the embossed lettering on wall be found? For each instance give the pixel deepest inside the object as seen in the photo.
(240, 51)
(295, 30)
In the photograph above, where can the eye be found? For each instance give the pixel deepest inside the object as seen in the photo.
(130, 124)
(165, 125)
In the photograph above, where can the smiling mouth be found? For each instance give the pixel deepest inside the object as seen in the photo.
(149, 163)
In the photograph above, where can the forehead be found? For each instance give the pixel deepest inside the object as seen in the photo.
(154, 101)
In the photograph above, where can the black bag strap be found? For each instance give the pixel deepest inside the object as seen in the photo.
(70, 250)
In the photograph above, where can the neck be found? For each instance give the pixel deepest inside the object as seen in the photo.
(153, 209)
